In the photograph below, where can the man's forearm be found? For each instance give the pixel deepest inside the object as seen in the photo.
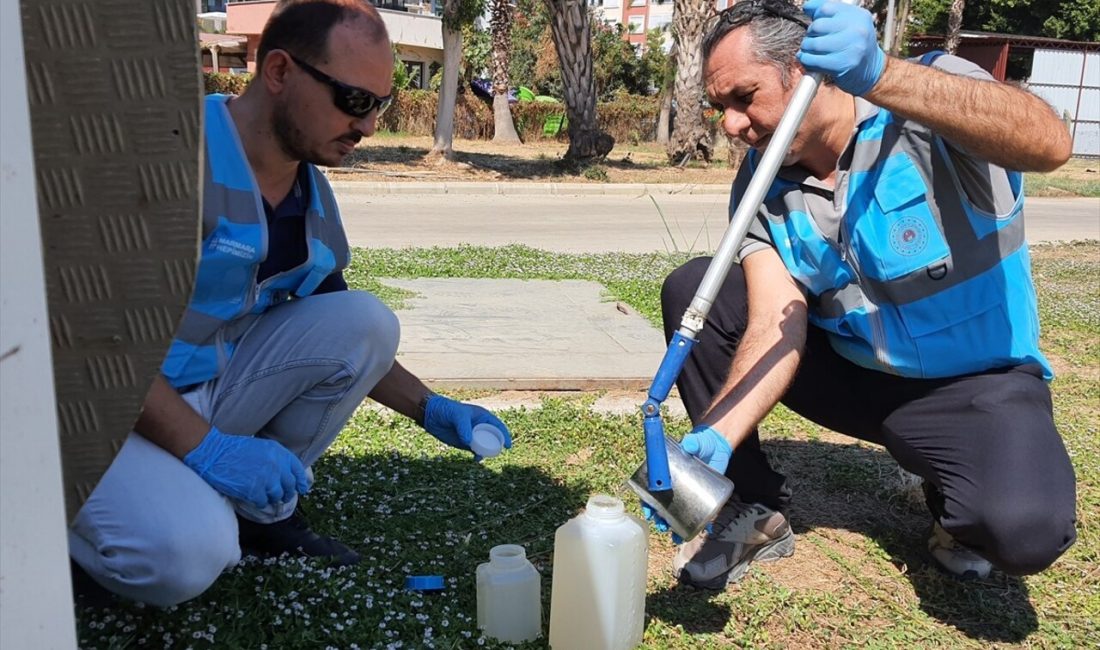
(401, 391)
(766, 361)
(992, 121)
(169, 422)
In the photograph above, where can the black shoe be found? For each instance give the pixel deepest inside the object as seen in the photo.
(292, 535)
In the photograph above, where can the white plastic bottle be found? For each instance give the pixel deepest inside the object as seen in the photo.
(598, 591)
(509, 596)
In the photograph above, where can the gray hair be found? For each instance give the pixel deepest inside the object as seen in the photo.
(777, 28)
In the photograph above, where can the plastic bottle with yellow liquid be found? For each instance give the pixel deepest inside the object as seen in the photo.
(598, 590)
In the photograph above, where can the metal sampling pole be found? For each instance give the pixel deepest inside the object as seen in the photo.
(685, 338)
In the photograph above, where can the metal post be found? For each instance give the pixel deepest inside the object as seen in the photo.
(1077, 109)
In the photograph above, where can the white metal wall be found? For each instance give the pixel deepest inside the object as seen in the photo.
(1070, 82)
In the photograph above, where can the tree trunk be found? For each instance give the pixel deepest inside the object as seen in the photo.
(690, 137)
(664, 116)
(573, 43)
(954, 24)
(504, 129)
(736, 152)
(900, 24)
(448, 89)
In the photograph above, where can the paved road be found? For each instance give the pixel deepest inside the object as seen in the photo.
(635, 222)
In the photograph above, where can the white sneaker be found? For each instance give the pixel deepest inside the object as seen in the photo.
(742, 533)
(955, 558)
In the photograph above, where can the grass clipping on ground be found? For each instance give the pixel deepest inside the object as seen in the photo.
(859, 575)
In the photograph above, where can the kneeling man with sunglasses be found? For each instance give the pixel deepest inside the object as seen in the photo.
(274, 352)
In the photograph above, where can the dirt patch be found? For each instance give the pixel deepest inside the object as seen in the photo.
(404, 159)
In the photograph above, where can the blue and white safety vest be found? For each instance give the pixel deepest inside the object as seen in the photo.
(234, 243)
(919, 282)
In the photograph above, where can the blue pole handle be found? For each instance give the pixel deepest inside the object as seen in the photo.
(673, 362)
(656, 454)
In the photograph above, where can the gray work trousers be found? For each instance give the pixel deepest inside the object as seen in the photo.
(153, 530)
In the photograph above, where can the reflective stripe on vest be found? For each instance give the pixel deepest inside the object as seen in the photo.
(921, 283)
(227, 297)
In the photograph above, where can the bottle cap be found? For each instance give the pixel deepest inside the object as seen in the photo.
(487, 440)
(424, 583)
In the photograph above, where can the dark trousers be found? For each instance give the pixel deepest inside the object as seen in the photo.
(986, 443)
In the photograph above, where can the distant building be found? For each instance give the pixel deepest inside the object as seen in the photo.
(1065, 73)
(414, 27)
(640, 16)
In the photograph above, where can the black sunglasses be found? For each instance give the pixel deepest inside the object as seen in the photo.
(356, 102)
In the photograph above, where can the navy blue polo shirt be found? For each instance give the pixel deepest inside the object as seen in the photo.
(286, 236)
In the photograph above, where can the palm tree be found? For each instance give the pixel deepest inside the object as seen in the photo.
(690, 136)
(456, 14)
(448, 89)
(954, 24)
(573, 43)
(504, 129)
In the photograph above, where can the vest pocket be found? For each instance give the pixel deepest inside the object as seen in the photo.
(961, 329)
(896, 234)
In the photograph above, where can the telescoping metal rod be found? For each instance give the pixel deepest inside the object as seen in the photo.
(748, 205)
(685, 338)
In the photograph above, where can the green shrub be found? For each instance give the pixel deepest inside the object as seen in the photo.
(628, 118)
(227, 84)
(596, 173)
(413, 112)
(529, 118)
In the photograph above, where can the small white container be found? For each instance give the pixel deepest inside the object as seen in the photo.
(487, 440)
(598, 592)
(509, 593)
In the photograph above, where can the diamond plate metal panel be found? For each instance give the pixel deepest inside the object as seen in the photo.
(115, 93)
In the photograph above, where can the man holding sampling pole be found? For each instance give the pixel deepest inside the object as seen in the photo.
(883, 291)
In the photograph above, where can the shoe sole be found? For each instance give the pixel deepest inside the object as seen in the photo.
(969, 575)
(772, 551)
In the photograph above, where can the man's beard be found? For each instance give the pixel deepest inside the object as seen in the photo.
(292, 141)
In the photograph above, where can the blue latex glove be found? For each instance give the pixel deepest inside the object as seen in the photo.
(659, 523)
(257, 470)
(706, 444)
(842, 44)
(453, 422)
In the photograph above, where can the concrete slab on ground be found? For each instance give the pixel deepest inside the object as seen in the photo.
(524, 335)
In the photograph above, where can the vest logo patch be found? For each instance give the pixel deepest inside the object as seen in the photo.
(232, 247)
(908, 236)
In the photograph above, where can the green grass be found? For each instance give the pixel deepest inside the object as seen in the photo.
(1043, 185)
(1078, 177)
(859, 578)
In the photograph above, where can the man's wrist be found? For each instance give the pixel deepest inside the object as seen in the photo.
(422, 407)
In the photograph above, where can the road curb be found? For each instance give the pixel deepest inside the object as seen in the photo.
(531, 189)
